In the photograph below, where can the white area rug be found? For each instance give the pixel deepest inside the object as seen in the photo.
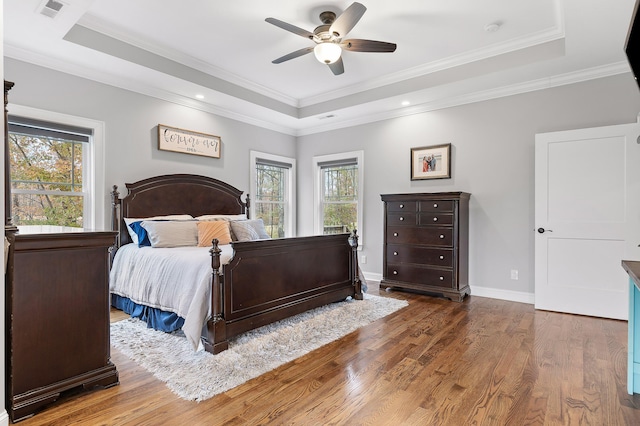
(201, 375)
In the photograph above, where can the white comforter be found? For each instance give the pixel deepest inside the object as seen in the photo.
(172, 279)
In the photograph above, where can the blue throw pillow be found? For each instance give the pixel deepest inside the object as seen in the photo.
(143, 237)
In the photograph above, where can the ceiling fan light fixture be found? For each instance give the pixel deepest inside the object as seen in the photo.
(327, 52)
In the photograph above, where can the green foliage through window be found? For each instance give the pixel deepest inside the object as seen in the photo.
(339, 198)
(46, 180)
(270, 201)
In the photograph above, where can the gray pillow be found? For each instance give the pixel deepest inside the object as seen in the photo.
(258, 225)
(243, 231)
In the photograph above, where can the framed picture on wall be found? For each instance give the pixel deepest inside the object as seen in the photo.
(431, 162)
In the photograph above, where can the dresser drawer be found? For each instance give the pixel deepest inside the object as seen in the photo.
(401, 206)
(435, 218)
(430, 236)
(402, 218)
(437, 206)
(419, 275)
(397, 253)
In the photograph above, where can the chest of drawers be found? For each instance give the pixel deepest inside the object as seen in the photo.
(426, 243)
(57, 328)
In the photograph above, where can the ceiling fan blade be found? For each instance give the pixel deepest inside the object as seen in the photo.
(337, 67)
(357, 45)
(349, 18)
(291, 28)
(292, 55)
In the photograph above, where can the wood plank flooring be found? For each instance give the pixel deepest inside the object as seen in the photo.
(436, 362)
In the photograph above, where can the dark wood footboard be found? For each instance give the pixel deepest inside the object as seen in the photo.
(270, 280)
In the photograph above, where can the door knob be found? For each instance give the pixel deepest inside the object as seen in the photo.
(542, 230)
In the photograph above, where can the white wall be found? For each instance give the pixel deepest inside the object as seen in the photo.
(131, 123)
(492, 158)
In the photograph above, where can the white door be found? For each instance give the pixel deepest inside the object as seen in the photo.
(587, 219)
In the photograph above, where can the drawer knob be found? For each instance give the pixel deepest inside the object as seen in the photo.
(395, 253)
(435, 219)
(402, 206)
(401, 218)
(441, 257)
(441, 278)
(441, 236)
(395, 234)
(435, 205)
(395, 272)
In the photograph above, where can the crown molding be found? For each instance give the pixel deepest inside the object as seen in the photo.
(95, 24)
(46, 61)
(497, 49)
(480, 96)
(544, 36)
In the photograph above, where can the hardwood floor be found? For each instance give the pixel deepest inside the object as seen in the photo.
(436, 362)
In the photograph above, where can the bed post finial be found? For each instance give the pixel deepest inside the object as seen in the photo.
(115, 216)
(353, 242)
(215, 340)
(247, 205)
(115, 195)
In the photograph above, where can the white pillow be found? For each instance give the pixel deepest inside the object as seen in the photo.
(172, 233)
(229, 217)
(129, 220)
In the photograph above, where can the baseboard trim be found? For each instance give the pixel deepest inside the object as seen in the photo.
(370, 276)
(492, 293)
(4, 418)
(498, 293)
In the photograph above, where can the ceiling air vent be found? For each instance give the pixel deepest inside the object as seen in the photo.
(51, 8)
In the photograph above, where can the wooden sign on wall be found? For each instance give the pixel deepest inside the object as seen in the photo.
(188, 142)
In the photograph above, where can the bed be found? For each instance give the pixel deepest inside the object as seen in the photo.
(244, 284)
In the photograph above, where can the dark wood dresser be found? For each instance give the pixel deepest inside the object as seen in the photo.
(426, 243)
(57, 311)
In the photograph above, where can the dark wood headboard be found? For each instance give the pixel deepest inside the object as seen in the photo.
(174, 194)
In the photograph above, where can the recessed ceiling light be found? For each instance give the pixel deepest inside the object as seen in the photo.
(199, 96)
(406, 103)
(493, 27)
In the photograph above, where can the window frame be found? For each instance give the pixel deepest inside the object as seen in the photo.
(290, 187)
(318, 162)
(93, 170)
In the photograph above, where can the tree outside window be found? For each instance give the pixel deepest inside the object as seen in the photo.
(338, 193)
(270, 201)
(46, 177)
(272, 188)
(339, 198)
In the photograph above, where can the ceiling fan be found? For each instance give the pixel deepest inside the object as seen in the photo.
(329, 38)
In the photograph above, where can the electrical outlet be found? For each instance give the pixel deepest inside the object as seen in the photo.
(363, 259)
(514, 274)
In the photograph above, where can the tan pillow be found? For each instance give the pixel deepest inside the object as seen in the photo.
(207, 231)
(133, 232)
(171, 233)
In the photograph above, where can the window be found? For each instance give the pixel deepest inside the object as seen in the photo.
(273, 189)
(52, 170)
(339, 193)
